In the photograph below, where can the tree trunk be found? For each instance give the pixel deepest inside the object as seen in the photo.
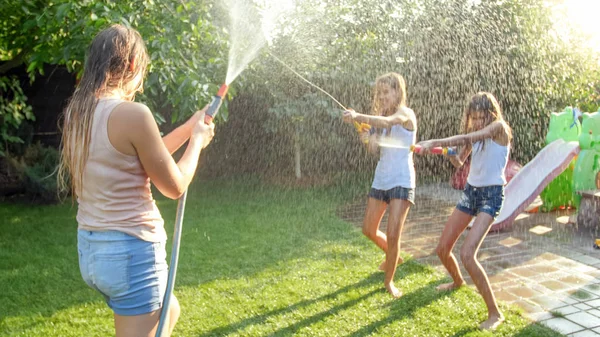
(297, 154)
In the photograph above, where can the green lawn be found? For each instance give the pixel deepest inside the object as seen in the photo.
(255, 260)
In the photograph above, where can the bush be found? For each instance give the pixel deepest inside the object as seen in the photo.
(37, 169)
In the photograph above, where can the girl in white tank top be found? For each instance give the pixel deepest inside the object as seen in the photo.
(394, 181)
(486, 137)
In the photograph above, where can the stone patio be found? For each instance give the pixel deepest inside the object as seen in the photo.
(544, 264)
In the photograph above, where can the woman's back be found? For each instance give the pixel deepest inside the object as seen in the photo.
(116, 191)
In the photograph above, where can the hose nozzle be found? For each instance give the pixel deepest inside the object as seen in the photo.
(212, 110)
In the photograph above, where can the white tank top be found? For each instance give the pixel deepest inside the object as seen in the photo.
(396, 167)
(488, 163)
(116, 191)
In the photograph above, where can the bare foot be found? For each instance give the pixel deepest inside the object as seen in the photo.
(391, 288)
(382, 265)
(492, 323)
(449, 286)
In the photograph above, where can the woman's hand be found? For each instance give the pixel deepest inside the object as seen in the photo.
(201, 131)
(196, 117)
(426, 146)
(364, 136)
(349, 115)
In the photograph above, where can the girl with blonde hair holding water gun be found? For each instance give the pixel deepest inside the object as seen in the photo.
(394, 181)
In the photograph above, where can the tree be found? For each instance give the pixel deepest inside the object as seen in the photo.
(185, 47)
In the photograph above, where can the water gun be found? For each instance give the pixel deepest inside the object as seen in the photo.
(362, 127)
(436, 150)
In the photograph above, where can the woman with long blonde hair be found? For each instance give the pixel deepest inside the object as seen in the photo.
(111, 150)
(393, 186)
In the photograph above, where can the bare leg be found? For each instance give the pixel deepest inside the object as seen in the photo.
(468, 255)
(456, 224)
(399, 262)
(146, 325)
(398, 212)
(374, 214)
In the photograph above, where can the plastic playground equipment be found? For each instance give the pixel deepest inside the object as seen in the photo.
(564, 169)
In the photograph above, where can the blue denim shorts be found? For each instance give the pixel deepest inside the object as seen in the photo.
(487, 199)
(130, 273)
(397, 192)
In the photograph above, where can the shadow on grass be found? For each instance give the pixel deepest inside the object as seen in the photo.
(405, 307)
(231, 229)
(374, 278)
(367, 282)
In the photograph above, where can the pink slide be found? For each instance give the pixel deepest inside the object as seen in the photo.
(531, 180)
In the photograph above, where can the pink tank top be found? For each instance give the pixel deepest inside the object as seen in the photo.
(116, 191)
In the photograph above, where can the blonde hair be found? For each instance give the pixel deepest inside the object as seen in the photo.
(116, 57)
(396, 82)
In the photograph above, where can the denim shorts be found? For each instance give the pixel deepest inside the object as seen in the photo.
(129, 272)
(397, 192)
(487, 199)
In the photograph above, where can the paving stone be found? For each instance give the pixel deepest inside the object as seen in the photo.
(562, 325)
(524, 292)
(540, 230)
(543, 268)
(582, 306)
(549, 256)
(539, 316)
(575, 280)
(525, 272)
(585, 319)
(555, 285)
(592, 288)
(582, 295)
(540, 288)
(548, 303)
(505, 296)
(585, 333)
(587, 259)
(569, 309)
(593, 303)
(528, 306)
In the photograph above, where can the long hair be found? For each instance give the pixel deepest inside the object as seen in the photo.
(486, 103)
(116, 57)
(396, 82)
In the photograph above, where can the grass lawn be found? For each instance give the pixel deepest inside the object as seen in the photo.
(255, 260)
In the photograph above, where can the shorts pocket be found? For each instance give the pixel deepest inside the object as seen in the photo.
(111, 273)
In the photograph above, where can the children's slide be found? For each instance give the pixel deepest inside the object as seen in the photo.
(529, 182)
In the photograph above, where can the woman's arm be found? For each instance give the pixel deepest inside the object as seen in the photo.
(459, 160)
(489, 131)
(171, 179)
(174, 139)
(404, 116)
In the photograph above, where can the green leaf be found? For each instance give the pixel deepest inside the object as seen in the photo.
(62, 10)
